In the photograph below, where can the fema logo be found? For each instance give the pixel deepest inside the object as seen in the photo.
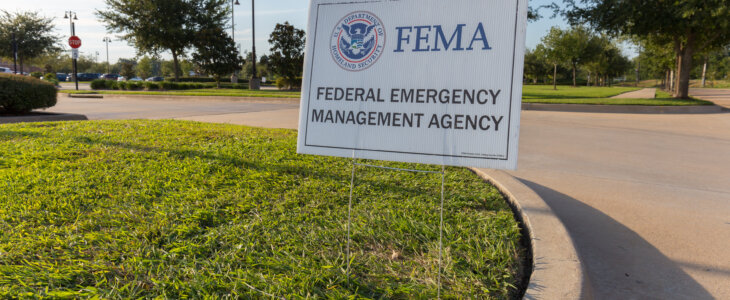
(358, 41)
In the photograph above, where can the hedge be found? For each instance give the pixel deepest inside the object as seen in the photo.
(21, 94)
(101, 84)
(205, 79)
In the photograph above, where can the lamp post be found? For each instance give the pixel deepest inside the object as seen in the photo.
(234, 76)
(71, 16)
(255, 82)
(15, 55)
(107, 40)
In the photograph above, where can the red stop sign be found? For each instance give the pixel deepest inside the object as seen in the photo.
(74, 42)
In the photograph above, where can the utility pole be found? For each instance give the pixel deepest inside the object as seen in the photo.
(255, 82)
(107, 40)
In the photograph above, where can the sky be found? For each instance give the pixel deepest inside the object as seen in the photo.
(268, 14)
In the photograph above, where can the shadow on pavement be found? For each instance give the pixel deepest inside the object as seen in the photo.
(619, 263)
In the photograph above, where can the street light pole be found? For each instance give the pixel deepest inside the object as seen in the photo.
(107, 40)
(234, 76)
(15, 55)
(255, 82)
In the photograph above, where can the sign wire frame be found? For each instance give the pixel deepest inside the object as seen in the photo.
(441, 214)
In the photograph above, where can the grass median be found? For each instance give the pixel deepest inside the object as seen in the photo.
(598, 96)
(174, 209)
(197, 92)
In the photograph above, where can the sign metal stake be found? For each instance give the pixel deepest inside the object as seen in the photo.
(441, 215)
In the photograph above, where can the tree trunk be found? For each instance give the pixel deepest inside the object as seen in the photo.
(555, 76)
(574, 82)
(704, 73)
(588, 81)
(684, 67)
(176, 65)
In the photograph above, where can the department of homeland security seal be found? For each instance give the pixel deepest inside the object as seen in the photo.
(358, 40)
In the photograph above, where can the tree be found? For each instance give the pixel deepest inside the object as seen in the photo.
(287, 52)
(152, 26)
(146, 67)
(127, 66)
(553, 49)
(690, 25)
(33, 35)
(536, 65)
(217, 54)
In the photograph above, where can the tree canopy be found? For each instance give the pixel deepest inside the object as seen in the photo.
(33, 34)
(689, 25)
(287, 51)
(216, 53)
(152, 26)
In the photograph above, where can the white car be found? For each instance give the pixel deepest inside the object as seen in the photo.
(136, 79)
(121, 78)
(5, 70)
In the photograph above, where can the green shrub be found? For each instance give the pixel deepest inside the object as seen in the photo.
(282, 83)
(98, 84)
(36, 75)
(50, 77)
(20, 94)
(166, 85)
(151, 86)
(133, 85)
(110, 84)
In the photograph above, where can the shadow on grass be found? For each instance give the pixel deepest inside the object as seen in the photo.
(241, 162)
(620, 263)
(6, 135)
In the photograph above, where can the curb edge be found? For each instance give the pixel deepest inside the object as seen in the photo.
(557, 272)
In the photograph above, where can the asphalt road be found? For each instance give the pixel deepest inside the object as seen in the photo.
(646, 198)
(114, 107)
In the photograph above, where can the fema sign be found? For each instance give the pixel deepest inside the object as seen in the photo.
(424, 81)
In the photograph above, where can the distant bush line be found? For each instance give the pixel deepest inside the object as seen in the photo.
(101, 84)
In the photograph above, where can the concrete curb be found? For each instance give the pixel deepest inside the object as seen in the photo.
(623, 109)
(92, 96)
(557, 272)
(42, 117)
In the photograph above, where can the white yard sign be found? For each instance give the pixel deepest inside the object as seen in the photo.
(425, 81)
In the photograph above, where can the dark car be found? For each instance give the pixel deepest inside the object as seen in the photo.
(109, 76)
(157, 78)
(82, 77)
(61, 76)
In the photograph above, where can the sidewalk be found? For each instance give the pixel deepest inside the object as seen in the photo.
(640, 94)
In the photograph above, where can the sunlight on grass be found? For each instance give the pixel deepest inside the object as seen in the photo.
(172, 209)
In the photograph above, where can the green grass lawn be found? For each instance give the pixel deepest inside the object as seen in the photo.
(597, 96)
(198, 92)
(173, 209)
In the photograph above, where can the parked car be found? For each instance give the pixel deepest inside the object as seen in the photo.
(156, 78)
(5, 70)
(135, 79)
(61, 76)
(109, 76)
(82, 77)
(121, 78)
